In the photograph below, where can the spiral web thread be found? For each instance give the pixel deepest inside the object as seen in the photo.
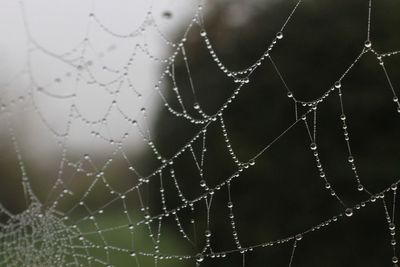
(47, 235)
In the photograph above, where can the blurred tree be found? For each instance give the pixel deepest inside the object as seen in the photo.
(283, 193)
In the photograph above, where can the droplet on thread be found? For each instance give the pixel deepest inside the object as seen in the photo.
(299, 237)
(350, 159)
(349, 212)
(199, 257)
(313, 146)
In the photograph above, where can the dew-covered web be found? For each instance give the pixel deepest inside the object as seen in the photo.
(91, 218)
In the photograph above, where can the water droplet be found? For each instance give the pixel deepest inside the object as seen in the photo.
(368, 44)
(392, 226)
(279, 35)
(338, 85)
(313, 146)
(299, 237)
(290, 94)
(245, 80)
(196, 106)
(132, 253)
(395, 259)
(360, 187)
(343, 117)
(207, 233)
(203, 33)
(349, 212)
(350, 159)
(230, 205)
(199, 257)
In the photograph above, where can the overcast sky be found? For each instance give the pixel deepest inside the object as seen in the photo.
(60, 26)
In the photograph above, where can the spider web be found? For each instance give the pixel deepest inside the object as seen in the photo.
(122, 210)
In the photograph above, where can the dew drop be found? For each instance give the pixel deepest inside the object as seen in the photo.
(350, 159)
(313, 146)
(199, 257)
(299, 237)
(279, 35)
(349, 212)
(207, 233)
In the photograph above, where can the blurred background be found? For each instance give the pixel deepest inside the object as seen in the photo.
(280, 196)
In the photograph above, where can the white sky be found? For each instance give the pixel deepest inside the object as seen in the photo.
(59, 26)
